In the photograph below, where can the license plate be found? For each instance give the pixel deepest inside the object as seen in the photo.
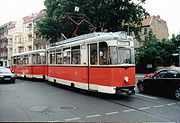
(7, 78)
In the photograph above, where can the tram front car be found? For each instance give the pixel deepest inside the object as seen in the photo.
(119, 75)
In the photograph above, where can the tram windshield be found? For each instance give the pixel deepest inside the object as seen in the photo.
(120, 56)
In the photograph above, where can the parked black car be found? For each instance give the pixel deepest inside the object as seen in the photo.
(6, 75)
(165, 81)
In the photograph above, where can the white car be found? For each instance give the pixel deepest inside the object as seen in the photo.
(6, 75)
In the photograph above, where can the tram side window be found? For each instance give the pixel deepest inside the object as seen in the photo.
(93, 54)
(26, 59)
(33, 59)
(52, 57)
(103, 53)
(113, 55)
(75, 55)
(38, 59)
(1, 63)
(43, 59)
(59, 57)
(66, 56)
(18, 60)
(14, 60)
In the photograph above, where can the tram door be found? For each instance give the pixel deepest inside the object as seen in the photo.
(92, 62)
(98, 58)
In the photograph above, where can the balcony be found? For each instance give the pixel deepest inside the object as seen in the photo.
(9, 46)
(28, 44)
(20, 45)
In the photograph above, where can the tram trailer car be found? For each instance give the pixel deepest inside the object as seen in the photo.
(101, 62)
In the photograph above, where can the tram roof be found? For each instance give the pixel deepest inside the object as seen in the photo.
(29, 52)
(95, 36)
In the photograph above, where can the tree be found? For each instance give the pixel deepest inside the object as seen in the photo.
(156, 52)
(105, 15)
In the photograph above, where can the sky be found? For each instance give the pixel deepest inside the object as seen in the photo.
(12, 10)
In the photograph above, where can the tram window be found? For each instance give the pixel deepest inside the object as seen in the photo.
(93, 54)
(33, 59)
(18, 60)
(75, 55)
(1, 63)
(59, 57)
(103, 53)
(66, 56)
(124, 56)
(26, 59)
(113, 56)
(43, 59)
(38, 59)
(14, 60)
(52, 57)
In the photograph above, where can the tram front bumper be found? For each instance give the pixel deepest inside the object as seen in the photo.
(128, 90)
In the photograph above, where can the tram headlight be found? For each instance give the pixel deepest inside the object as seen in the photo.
(126, 79)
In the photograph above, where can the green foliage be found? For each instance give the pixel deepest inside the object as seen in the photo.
(157, 52)
(105, 15)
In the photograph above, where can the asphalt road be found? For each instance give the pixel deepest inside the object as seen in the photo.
(40, 101)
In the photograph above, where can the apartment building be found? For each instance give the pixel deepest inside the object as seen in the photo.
(39, 42)
(10, 37)
(23, 36)
(3, 41)
(154, 24)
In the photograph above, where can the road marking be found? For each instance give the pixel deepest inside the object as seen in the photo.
(90, 116)
(129, 110)
(144, 108)
(158, 106)
(171, 104)
(109, 113)
(75, 118)
(150, 97)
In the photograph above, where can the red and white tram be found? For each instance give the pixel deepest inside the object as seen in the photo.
(30, 64)
(102, 62)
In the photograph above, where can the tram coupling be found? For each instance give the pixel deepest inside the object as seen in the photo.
(128, 90)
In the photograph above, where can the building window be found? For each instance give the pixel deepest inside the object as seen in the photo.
(145, 31)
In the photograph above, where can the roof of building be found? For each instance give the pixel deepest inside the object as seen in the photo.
(40, 14)
(30, 18)
(146, 21)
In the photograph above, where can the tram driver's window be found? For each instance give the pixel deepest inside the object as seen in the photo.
(103, 53)
(93, 54)
(124, 56)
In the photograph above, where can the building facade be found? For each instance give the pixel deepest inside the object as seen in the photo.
(154, 24)
(10, 37)
(39, 42)
(21, 36)
(4, 41)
